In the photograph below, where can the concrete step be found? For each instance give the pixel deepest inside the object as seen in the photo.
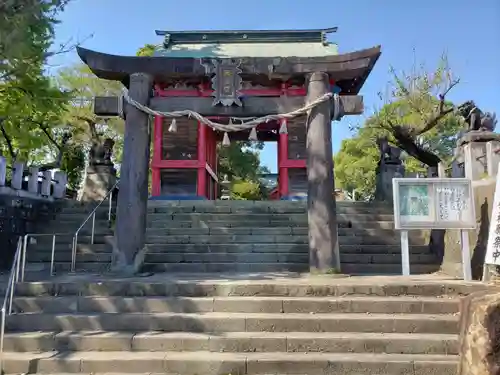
(283, 230)
(171, 257)
(267, 238)
(262, 218)
(231, 248)
(75, 223)
(175, 224)
(243, 342)
(155, 246)
(65, 231)
(262, 210)
(261, 204)
(43, 268)
(65, 256)
(386, 269)
(210, 363)
(86, 210)
(278, 305)
(346, 268)
(101, 244)
(235, 322)
(211, 285)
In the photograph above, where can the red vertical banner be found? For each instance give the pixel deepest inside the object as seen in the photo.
(201, 189)
(157, 156)
(282, 159)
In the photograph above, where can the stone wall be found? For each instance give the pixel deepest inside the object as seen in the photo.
(484, 191)
(19, 216)
(480, 334)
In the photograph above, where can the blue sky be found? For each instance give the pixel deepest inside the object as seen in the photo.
(469, 32)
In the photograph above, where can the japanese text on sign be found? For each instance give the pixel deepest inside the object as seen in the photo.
(433, 203)
(493, 247)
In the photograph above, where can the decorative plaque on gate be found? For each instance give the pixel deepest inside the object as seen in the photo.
(226, 82)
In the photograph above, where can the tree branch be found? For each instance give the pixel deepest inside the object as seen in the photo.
(441, 110)
(13, 154)
(47, 133)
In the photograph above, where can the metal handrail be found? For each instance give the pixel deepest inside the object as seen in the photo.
(109, 195)
(9, 296)
(53, 251)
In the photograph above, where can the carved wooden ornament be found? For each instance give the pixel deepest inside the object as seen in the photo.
(226, 82)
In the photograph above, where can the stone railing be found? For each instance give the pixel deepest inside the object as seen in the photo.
(33, 184)
(28, 198)
(477, 155)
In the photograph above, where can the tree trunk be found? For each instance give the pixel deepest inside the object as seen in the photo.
(131, 214)
(321, 208)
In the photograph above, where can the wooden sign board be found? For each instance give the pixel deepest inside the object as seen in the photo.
(433, 203)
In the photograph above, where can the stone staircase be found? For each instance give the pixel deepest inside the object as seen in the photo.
(237, 236)
(90, 257)
(236, 324)
(245, 236)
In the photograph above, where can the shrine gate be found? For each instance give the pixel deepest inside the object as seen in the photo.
(184, 162)
(204, 87)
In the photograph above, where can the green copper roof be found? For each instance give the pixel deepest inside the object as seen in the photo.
(246, 43)
(248, 50)
(244, 36)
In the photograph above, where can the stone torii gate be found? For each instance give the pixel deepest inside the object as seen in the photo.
(316, 74)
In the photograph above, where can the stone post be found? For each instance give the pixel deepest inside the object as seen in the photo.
(321, 207)
(471, 152)
(17, 176)
(131, 212)
(3, 170)
(226, 189)
(61, 180)
(473, 148)
(33, 180)
(492, 157)
(46, 184)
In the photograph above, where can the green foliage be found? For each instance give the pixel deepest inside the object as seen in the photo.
(241, 160)
(30, 104)
(147, 50)
(79, 115)
(413, 103)
(26, 34)
(73, 163)
(246, 190)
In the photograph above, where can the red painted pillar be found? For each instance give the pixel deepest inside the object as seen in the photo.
(282, 158)
(201, 190)
(157, 151)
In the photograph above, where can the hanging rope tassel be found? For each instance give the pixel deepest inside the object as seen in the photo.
(173, 126)
(226, 142)
(253, 135)
(283, 128)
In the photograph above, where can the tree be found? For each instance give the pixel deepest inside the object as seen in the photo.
(26, 34)
(241, 160)
(86, 127)
(30, 104)
(428, 136)
(147, 50)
